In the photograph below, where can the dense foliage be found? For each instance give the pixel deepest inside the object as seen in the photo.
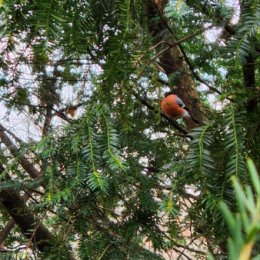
(93, 169)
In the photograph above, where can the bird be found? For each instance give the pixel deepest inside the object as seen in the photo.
(173, 107)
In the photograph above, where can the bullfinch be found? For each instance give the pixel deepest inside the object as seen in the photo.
(173, 106)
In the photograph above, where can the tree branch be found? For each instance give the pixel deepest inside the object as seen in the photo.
(6, 230)
(28, 167)
(31, 228)
(173, 122)
(249, 82)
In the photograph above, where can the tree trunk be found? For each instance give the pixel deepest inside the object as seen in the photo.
(173, 60)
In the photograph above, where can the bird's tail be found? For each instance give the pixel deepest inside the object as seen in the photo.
(186, 114)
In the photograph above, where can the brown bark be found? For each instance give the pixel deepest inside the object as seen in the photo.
(6, 230)
(24, 218)
(28, 167)
(10, 224)
(248, 69)
(173, 60)
(29, 225)
(249, 82)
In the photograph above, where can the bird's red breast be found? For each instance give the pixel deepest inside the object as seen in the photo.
(171, 108)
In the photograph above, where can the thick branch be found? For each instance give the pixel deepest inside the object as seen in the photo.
(249, 81)
(47, 121)
(11, 223)
(31, 228)
(29, 168)
(6, 230)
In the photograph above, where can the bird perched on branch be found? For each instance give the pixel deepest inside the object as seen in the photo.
(173, 106)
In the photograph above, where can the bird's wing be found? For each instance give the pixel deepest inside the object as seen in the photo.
(180, 102)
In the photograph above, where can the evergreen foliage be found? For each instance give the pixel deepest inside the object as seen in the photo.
(244, 226)
(93, 158)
